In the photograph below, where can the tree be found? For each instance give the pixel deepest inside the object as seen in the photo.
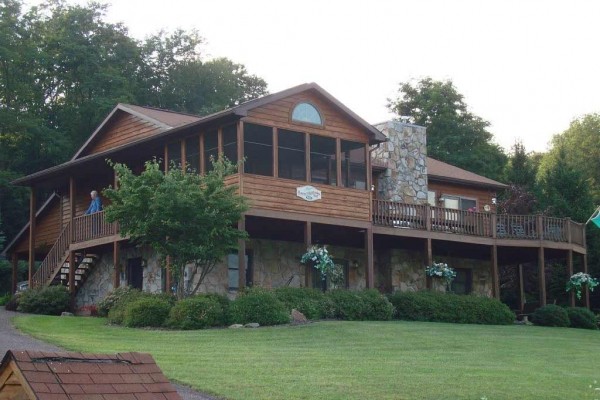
(454, 134)
(189, 218)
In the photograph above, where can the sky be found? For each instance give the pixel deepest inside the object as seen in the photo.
(528, 67)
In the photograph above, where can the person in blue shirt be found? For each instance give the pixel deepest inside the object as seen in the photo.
(95, 205)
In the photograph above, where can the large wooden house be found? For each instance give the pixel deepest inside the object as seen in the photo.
(314, 173)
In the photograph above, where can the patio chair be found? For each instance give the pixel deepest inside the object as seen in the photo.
(500, 229)
(517, 230)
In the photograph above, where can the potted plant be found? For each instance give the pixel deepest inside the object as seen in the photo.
(441, 271)
(578, 281)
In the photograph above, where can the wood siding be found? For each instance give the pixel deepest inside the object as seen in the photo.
(124, 128)
(483, 196)
(335, 124)
(280, 195)
(47, 229)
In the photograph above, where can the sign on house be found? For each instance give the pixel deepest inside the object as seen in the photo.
(308, 193)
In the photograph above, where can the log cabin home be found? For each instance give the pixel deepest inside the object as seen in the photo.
(314, 173)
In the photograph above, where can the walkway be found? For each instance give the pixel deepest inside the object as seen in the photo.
(11, 339)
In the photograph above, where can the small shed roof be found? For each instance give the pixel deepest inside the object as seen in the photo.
(441, 171)
(68, 376)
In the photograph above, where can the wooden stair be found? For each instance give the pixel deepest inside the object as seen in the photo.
(85, 263)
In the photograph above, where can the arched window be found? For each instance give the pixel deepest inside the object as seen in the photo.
(307, 113)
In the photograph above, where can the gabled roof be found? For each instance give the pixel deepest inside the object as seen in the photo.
(441, 171)
(45, 207)
(68, 376)
(171, 122)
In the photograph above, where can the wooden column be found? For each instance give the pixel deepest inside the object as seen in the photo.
(32, 208)
(542, 276)
(72, 268)
(570, 273)
(117, 263)
(586, 291)
(168, 282)
(370, 273)
(495, 274)
(242, 255)
(15, 264)
(429, 255)
(307, 243)
(73, 207)
(338, 166)
(521, 289)
(275, 153)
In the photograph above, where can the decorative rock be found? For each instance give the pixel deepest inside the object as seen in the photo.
(66, 314)
(252, 325)
(236, 326)
(298, 318)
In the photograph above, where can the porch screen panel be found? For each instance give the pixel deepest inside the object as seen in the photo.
(258, 149)
(174, 154)
(323, 167)
(230, 143)
(211, 149)
(354, 165)
(192, 154)
(292, 160)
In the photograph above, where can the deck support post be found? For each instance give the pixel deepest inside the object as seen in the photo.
(307, 244)
(168, 277)
(242, 255)
(117, 264)
(15, 264)
(495, 274)
(32, 208)
(521, 289)
(370, 273)
(542, 276)
(429, 261)
(570, 272)
(72, 268)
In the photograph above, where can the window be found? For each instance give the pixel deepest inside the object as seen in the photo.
(459, 203)
(463, 282)
(211, 149)
(174, 154)
(292, 160)
(354, 165)
(230, 143)
(258, 149)
(192, 154)
(307, 113)
(234, 268)
(323, 167)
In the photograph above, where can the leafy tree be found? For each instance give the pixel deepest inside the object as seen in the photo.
(521, 168)
(454, 134)
(189, 218)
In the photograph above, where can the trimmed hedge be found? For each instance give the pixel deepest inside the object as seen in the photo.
(582, 318)
(366, 305)
(197, 312)
(116, 313)
(449, 307)
(112, 299)
(258, 305)
(13, 302)
(551, 315)
(49, 300)
(146, 311)
(311, 302)
(5, 299)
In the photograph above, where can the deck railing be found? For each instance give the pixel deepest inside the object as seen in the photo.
(53, 259)
(483, 224)
(92, 226)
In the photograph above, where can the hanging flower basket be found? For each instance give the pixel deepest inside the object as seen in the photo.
(442, 271)
(320, 259)
(578, 281)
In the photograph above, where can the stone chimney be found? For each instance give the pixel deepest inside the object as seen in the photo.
(404, 157)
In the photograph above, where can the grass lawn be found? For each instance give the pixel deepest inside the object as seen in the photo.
(354, 360)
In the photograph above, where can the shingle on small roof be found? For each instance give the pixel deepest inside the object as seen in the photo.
(447, 172)
(59, 375)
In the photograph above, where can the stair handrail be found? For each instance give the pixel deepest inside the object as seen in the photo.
(51, 263)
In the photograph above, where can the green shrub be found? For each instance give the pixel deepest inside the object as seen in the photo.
(311, 302)
(583, 318)
(5, 299)
(49, 300)
(124, 296)
(13, 302)
(365, 305)
(112, 298)
(197, 312)
(550, 315)
(448, 307)
(224, 302)
(258, 305)
(147, 311)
